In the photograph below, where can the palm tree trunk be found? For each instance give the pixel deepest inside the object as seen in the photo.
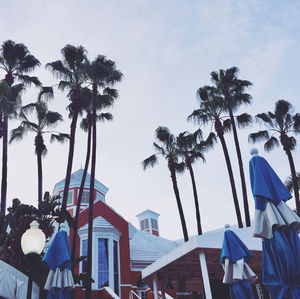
(219, 130)
(241, 167)
(4, 166)
(176, 191)
(91, 198)
(40, 177)
(294, 177)
(70, 160)
(86, 165)
(190, 168)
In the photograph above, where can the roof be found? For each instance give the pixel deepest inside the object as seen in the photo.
(209, 240)
(148, 212)
(100, 224)
(146, 248)
(75, 181)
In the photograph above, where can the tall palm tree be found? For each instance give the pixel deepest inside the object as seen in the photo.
(168, 149)
(70, 71)
(192, 151)
(280, 122)
(211, 111)
(45, 119)
(233, 93)
(16, 61)
(102, 74)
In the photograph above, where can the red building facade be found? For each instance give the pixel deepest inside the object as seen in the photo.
(120, 251)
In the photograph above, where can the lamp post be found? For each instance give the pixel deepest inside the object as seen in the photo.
(32, 244)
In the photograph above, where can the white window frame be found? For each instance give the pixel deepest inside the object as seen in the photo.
(111, 236)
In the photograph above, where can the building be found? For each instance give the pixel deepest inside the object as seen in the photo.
(120, 251)
(124, 254)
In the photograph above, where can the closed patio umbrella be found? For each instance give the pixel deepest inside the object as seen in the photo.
(234, 258)
(60, 280)
(278, 226)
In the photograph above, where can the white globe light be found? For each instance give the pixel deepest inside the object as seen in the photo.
(33, 240)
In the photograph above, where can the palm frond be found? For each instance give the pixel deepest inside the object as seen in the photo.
(52, 118)
(159, 149)
(264, 117)
(46, 93)
(271, 144)
(296, 124)
(59, 70)
(163, 134)
(150, 162)
(259, 136)
(227, 126)
(28, 80)
(61, 137)
(17, 134)
(282, 107)
(244, 120)
(210, 141)
(105, 117)
(179, 167)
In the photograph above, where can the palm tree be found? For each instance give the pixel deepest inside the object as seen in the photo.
(102, 74)
(45, 119)
(280, 122)
(232, 90)
(169, 150)
(16, 61)
(211, 110)
(71, 72)
(191, 152)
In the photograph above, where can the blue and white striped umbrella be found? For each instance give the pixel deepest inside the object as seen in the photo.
(60, 280)
(238, 275)
(278, 226)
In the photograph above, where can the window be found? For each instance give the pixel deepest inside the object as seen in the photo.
(85, 196)
(154, 224)
(70, 197)
(103, 268)
(116, 267)
(144, 224)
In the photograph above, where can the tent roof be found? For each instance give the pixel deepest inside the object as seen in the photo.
(209, 240)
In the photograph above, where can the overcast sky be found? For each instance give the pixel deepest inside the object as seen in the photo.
(166, 51)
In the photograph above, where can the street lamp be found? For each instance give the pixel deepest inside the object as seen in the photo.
(33, 240)
(32, 244)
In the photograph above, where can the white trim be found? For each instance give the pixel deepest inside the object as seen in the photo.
(204, 272)
(128, 285)
(155, 289)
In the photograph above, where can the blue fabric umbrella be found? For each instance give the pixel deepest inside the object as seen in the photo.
(60, 280)
(278, 226)
(234, 258)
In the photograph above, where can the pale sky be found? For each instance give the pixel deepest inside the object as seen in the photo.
(166, 51)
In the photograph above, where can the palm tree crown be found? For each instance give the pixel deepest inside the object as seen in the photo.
(232, 91)
(168, 149)
(282, 123)
(16, 61)
(211, 111)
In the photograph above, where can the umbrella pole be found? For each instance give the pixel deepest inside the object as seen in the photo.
(205, 277)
